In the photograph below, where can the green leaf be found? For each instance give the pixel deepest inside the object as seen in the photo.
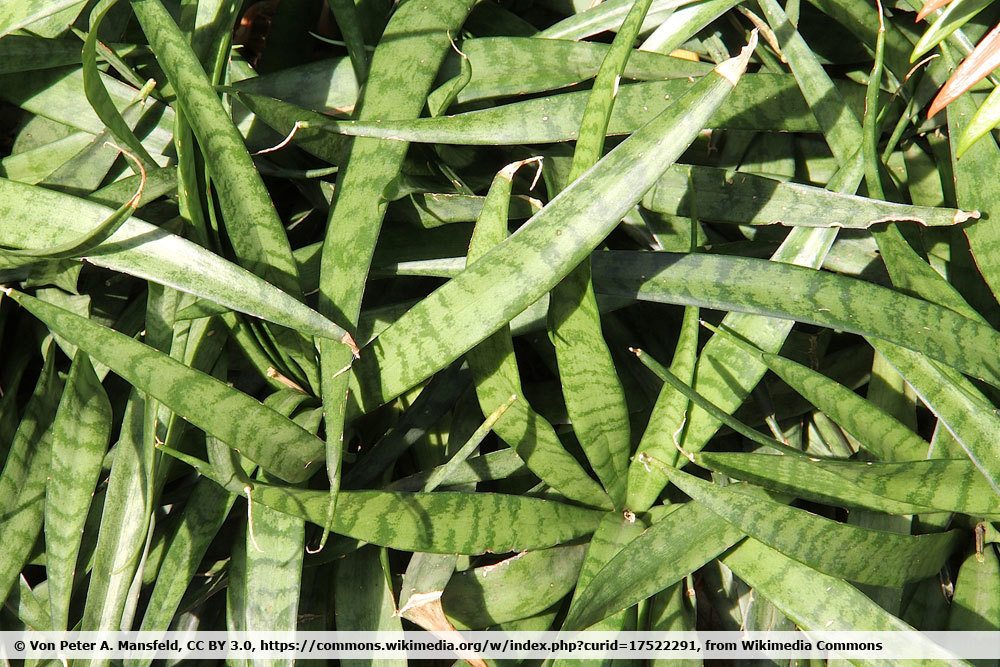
(80, 436)
(867, 556)
(879, 432)
(38, 218)
(419, 35)
(985, 119)
(258, 432)
(976, 604)
(19, 14)
(22, 482)
(859, 484)
(673, 547)
(512, 275)
(440, 522)
(591, 388)
(964, 410)
(125, 520)
(956, 14)
(98, 95)
(719, 195)
(518, 587)
(782, 290)
(666, 421)
(765, 102)
(504, 66)
(494, 367)
(253, 226)
(813, 600)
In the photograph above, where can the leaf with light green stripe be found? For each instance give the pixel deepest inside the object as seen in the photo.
(97, 94)
(781, 290)
(666, 421)
(506, 65)
(514, 274)
(22, 482)
(765, 102)
(206, 509)
(253, 226)
(976, 604)
(258, 432)
(952, 485)
(18, 14)
(125, 521)
(440, 522)
(815, 480)
(614, 533)
(720, 195)
(610, 15)
(841, 550)
(953, 399)
(878, 431)
(518, 587)
(816, 601)
(79, 442)
(673, 547)
(38, 218)
(591, 389)
(420, 36)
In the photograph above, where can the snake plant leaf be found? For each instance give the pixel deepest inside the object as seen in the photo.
(878, 431)
(610, 15)
(974, 188)
(19, 14)
(615, 532)
(26, 53)
(976, 604)
(259, 433)
(765, 102)
(868, 556)
(23, 479)
(446, 522)
(952, 485)
(689, 536)
(125, 520)
(782, 290)
(364, 601)
(252, 224)
(666, 421)
(39, 218)
(80, 436)
(953, 17)
(495, 369)
(439, 522)
(204, 513)
(506, 66)
(591, 388)
(98, 96)
(739, 197)
(805, 478)
(518, 587)
(963, 409)
(514, 274)
(421, 36)
(813, 600)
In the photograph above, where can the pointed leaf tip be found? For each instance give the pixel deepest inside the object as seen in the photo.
(734, 68)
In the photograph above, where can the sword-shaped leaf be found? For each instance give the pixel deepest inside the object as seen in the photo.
(520, 270)
(255, 430)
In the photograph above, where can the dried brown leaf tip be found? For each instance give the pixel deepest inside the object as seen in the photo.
(981, 62)
(930, 6)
